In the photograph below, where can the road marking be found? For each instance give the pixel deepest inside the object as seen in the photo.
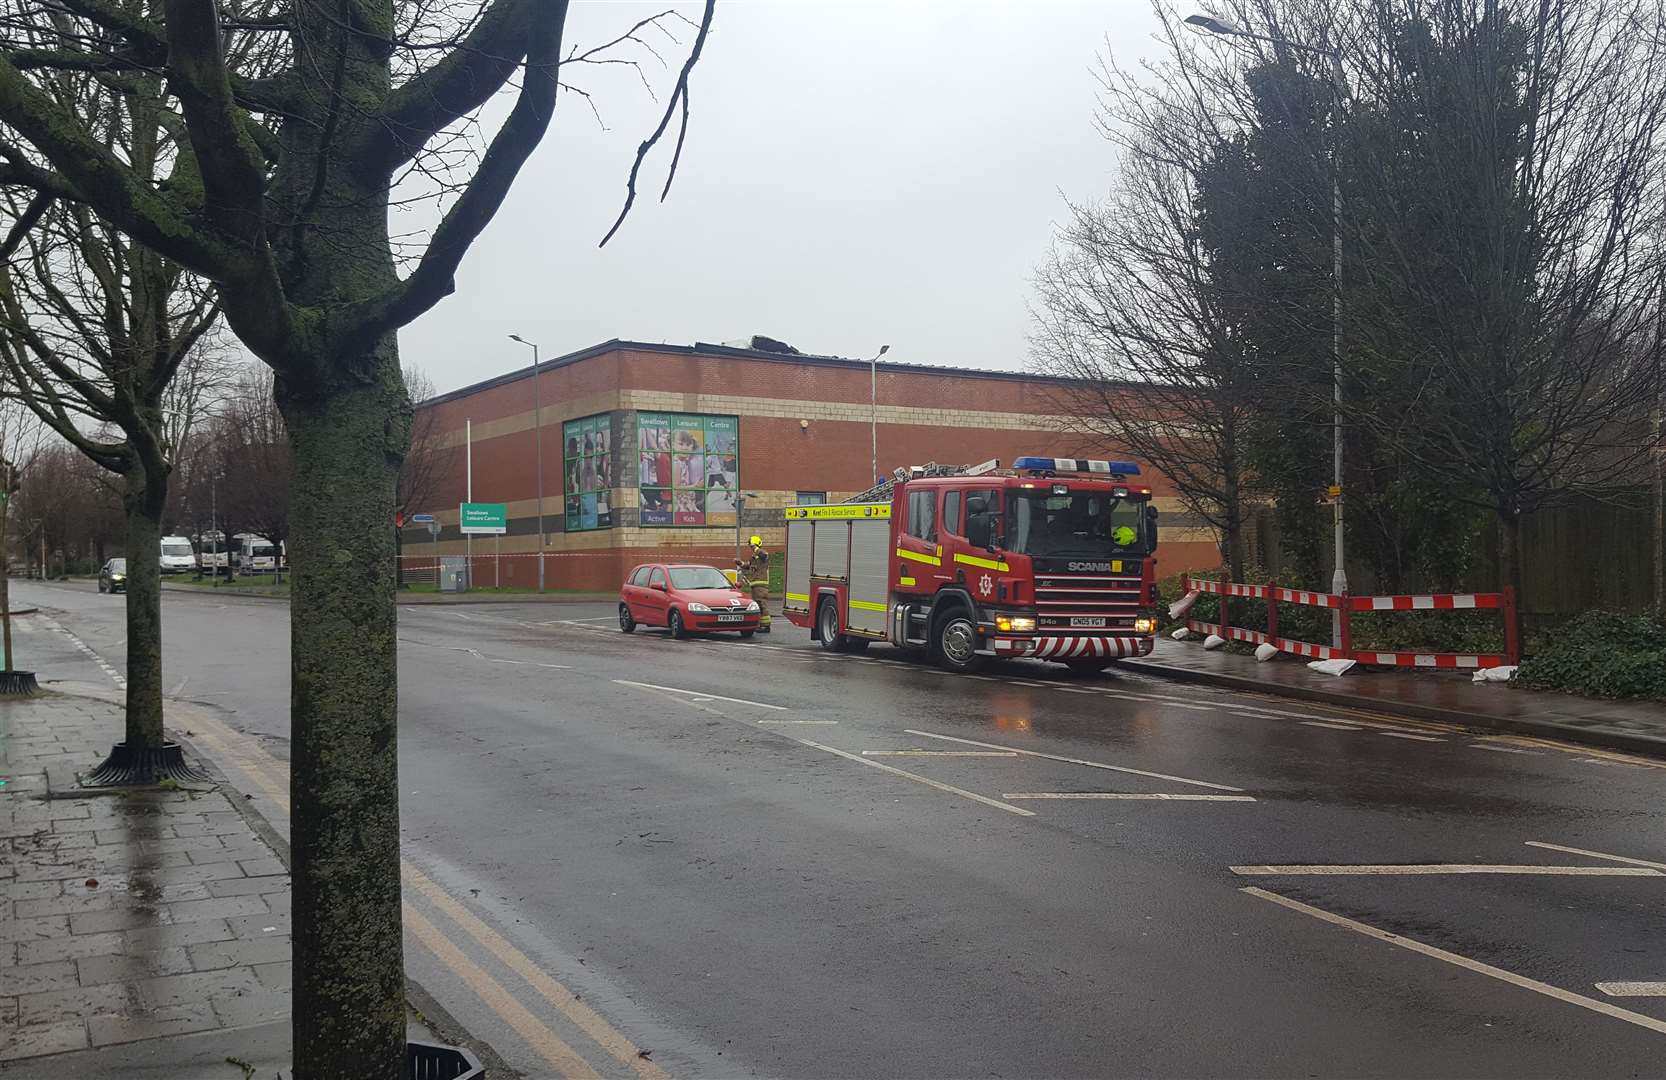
(1176, 702)
(1596, 854)
(1327, 724)
(495, 660)
(1409, 735)
(587, 1019)
(1606, 761)
(557, 667)
(940, 753)
(272, 776)
(466, 618)
(1500, 749)
(1072, 690)
(1185, 797)
(1024, 682)
(1074, 761)
(796, 721)
(1391, 869)
(1633, 989)
(546, 1043)
(702, 696)
(984, 678)
(103, 665)
(1649, 1022)
(916, 777)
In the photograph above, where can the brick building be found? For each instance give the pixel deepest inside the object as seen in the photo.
(645, 448)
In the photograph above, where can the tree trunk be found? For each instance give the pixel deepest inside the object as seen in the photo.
(1236, 555)
(6, 573)
(142, 505)
(1509, 555)
(347, 443)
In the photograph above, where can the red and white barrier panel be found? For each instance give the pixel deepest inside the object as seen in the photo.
(1431, 660)
(1307, 648)
(1308, 599)
(1231, 633)
(1229, 588)
(1436, 602)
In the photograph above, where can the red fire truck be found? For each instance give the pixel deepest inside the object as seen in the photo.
(1050, 559)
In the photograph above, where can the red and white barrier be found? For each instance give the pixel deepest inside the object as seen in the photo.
(1345, 605)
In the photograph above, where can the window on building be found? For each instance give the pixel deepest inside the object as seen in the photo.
(688, 469)
(922, 515)
(587, 470)
(810, 498)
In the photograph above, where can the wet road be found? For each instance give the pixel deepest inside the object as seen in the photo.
(761, 859)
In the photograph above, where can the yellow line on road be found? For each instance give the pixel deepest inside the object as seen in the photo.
(267, 771)
(586, 1018)
(1649, 1022)
(545, 1042)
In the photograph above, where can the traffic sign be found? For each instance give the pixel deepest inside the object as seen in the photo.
(488, 518)
(422, 519)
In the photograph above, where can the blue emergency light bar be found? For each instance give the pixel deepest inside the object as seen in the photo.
(1077, 465)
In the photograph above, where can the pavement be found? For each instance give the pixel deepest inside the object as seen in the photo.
(1635, 726)
(130, 916)
(627, 856)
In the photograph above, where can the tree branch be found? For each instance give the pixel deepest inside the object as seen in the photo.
(433, 278)
(679, 95)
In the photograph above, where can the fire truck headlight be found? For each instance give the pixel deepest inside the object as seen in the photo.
(1023, 624)
(1145, 626)
(752, 607)
(699, 607)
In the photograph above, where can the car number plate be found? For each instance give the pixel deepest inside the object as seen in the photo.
(1083, 620)
(731, 618)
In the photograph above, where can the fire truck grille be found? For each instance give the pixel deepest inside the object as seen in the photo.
(1087, 602)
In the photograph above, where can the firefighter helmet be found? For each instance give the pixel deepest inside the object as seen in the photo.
(756, 541)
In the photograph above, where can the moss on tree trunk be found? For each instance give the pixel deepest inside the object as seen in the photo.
(349, 974)
(142, 502)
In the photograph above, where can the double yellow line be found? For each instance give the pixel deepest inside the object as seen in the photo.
(230, 747)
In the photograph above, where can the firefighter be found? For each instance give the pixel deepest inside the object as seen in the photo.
(754, 574)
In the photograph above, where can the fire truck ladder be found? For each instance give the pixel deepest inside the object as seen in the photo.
(881, 492)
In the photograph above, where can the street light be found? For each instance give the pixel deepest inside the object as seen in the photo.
(1214, 24)
(538, 436)
(873, 407)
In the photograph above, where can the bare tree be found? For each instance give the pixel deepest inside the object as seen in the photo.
(1130, 310)
(424, 463)
(251, 445)
(292, 173)
(93, 330)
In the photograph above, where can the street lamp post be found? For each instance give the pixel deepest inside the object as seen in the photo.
(538, 435)
(873, 407)
(1214, 24)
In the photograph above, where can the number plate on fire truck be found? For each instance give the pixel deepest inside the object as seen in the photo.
(1085, 620)
(731, 618)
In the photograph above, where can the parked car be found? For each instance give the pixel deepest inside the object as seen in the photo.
(685, 598)
(113, 577)
(178, 557)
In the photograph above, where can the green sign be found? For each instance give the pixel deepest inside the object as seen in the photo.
(491, 518)
(688, 468)
(587, 472)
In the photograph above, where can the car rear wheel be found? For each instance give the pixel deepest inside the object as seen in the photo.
(626, 623)
(955, 641)
(678, 630)
(747, 633)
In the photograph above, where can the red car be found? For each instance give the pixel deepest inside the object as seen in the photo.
(686, 599)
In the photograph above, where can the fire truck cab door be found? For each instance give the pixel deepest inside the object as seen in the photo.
(919, 554)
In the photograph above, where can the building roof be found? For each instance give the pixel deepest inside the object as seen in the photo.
(705, 349)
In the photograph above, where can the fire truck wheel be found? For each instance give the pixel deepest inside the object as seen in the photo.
(955, 641)
(678, 630)
(626, 623)
(827, 628)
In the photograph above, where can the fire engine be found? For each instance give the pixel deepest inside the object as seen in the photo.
(1050, 559)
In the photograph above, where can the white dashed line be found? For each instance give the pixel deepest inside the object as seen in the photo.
(1187, 797)
(1409, 735)
(1327, 724)
(1633, 989)
(1073, 761)
(917, 778)
(702, 696)
(1649, 1022)
(1422, 869)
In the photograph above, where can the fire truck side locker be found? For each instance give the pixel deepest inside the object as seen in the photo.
(797, 574)
(870, 566)
(842, 551)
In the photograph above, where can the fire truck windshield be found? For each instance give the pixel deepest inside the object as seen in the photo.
(1087, 524)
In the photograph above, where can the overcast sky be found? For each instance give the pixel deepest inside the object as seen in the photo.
(855, 174)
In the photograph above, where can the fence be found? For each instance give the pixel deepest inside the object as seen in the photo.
(1345, 605)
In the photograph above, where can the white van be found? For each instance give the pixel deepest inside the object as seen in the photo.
(178, 557)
